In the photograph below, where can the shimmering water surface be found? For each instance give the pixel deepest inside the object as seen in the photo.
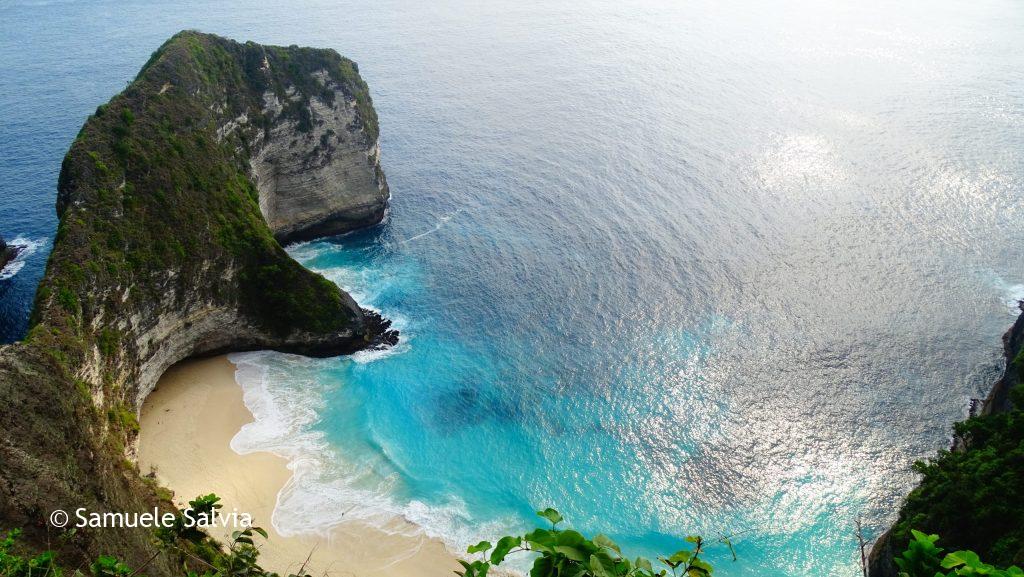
(672, 267)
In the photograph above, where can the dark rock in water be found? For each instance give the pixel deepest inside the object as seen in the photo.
(379, 334)
(7, 253)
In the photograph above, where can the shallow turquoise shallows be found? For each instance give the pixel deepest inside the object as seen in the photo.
(669, 267)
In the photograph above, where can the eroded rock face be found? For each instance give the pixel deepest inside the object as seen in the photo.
(998, 400)
(172, 200)
(321, 176)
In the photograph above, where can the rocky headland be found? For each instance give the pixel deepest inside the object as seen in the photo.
(172, 202)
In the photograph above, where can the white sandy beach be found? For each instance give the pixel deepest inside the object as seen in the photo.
(187, 426)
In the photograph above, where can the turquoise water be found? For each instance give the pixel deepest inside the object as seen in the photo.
(709, 268)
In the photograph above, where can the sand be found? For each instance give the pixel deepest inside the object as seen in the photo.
(187, 426)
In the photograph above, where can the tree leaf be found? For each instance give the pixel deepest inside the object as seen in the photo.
(571, 552)
(551, 515)
(644, 564)
(679, 557)
(954, 559)
(702, 565)
(603, 541)
(598, 567)
(571, 538)
(542, 567)
(505, 544)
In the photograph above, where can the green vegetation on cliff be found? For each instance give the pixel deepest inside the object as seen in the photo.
(161, 253)
(565, 552)
(149, 186)
(974, 495)
(924, 558)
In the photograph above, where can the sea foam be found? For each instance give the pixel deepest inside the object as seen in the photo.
(286, 395)
(1013, 295)
(326, 488)
(26, 247)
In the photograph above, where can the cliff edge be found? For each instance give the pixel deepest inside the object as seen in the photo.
(972, 495)
(172, 202)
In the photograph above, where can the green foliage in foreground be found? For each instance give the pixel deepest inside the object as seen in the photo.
(567, 553)
(923, 559)
(558, 553)
(974, 496)
(195, 547)
(197, 554)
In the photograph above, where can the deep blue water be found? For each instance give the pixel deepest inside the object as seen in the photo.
(709, 268)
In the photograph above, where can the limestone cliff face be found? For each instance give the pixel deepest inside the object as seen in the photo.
(164, 251)
(322, 177)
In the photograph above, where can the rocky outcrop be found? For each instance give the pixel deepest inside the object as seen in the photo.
(7, 253)
(164, 252)
(880, 559)
(998, 400)
(322, 177)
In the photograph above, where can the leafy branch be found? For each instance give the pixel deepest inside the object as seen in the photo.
(923, 559)
(567, 553)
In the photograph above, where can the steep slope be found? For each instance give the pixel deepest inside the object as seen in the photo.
(162, 253)
(972, 495)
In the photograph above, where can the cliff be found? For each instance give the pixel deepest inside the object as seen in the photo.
(972, 495)
(172, 201)
(999, 400)
(317, 172)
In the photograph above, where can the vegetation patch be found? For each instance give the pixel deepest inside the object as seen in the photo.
(974, 496)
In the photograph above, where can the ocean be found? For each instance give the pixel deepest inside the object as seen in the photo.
(717, 268)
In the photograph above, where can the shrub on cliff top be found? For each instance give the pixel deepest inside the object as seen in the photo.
(974, 497)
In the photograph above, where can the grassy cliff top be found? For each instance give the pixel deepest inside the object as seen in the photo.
(148, 190)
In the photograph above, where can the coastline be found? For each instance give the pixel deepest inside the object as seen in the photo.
(187, 424)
